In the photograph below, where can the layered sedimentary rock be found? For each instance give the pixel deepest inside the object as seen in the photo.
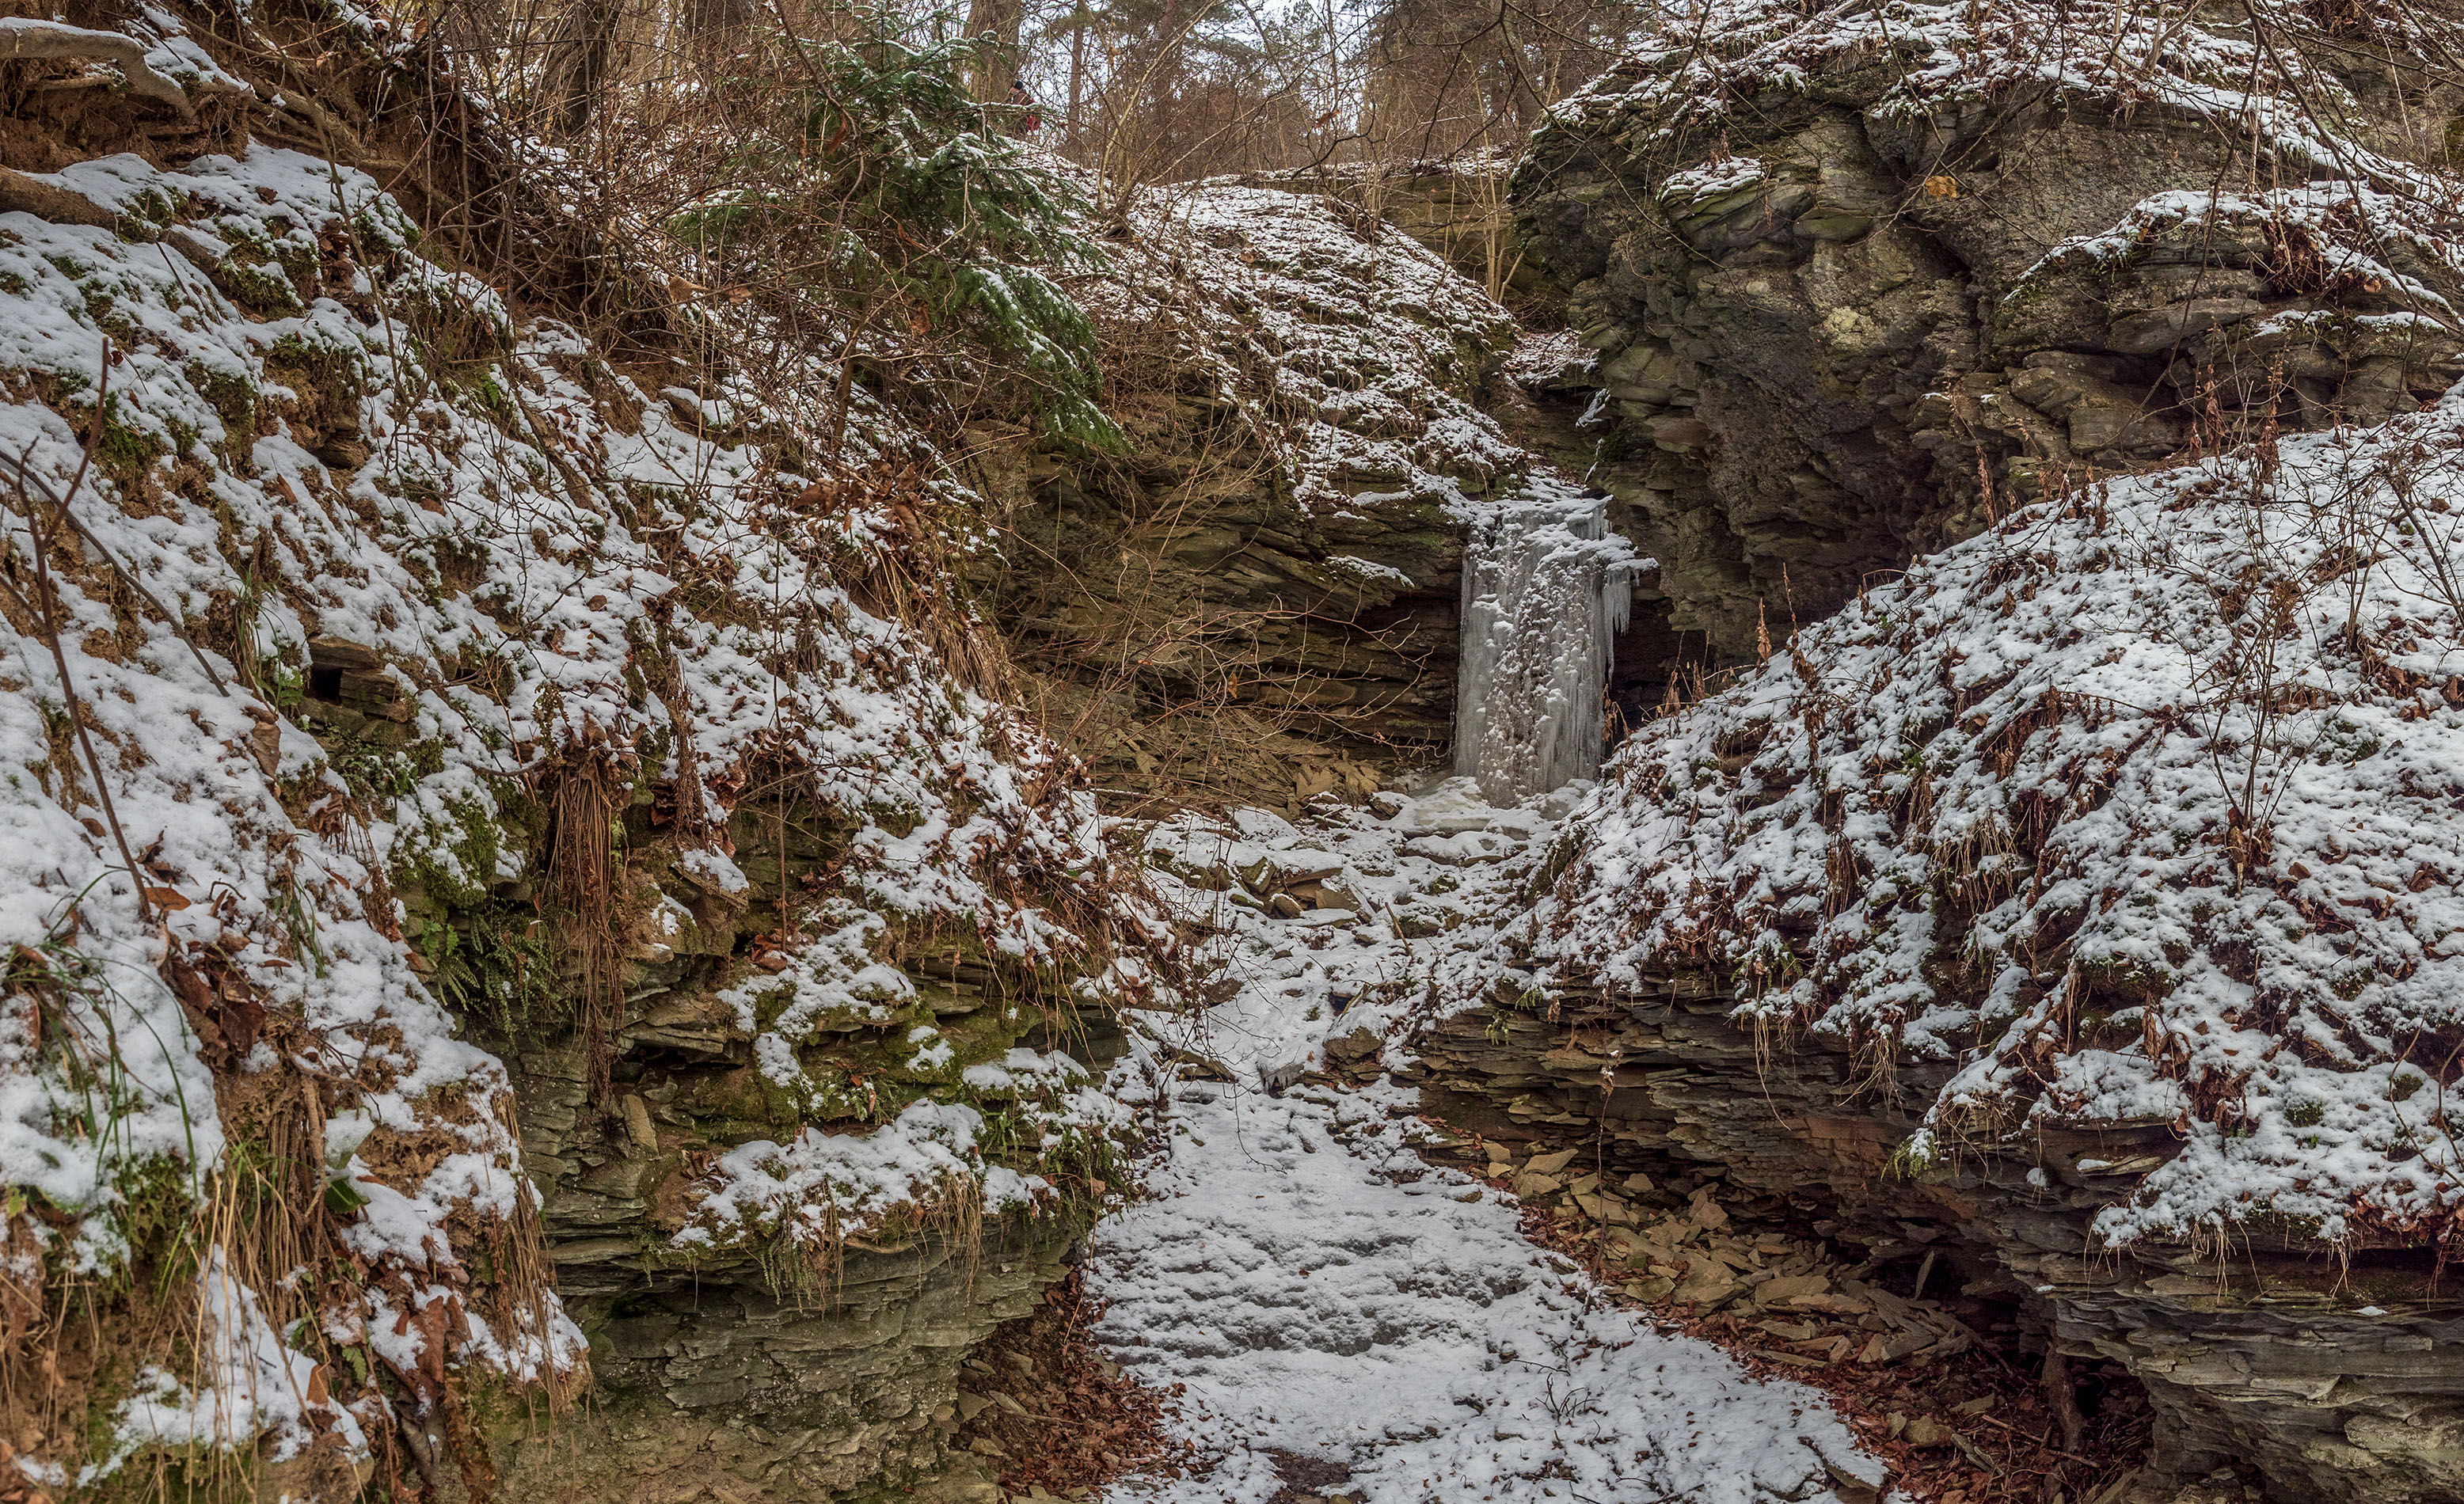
(764, 1376)
(808, 1342)
(1855, 283)
(1260, 598)
(768, 1369)
(2158, 1065)
(2321, 1378)
(1338, 626)
(527, 797)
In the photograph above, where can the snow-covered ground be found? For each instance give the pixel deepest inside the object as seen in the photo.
(1325, 1293)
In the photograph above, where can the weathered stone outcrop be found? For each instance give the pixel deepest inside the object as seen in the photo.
(2318, 1380)
(1188, 578)
(1839, 322)
(1258, 597)
(836, 1384)
(752, 1371)
(759, 1369)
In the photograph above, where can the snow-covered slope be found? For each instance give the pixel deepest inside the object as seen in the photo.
(275, 469)
(1327, 1294)
(1351, 349)
(2147, 806)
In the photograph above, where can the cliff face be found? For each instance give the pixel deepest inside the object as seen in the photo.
(791, 1366)
(1853, 288)
(1996, 918)
(538, 848)
(840, 1383)
(2311, 1375)
(1259, 600)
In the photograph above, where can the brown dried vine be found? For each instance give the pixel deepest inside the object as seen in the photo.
(590, 790)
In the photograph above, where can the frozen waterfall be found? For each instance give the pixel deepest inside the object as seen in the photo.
(1546, 591)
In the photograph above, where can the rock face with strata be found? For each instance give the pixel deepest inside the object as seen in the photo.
(755, 1371)
(760, 1369)
(2320, 1379)
(1855, 284)
(1841, 319)
(1199, 589)
(1259, 597)
(750, 1379)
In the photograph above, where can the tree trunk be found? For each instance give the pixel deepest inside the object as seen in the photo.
(1077, 72)
(714, 29)
(998, 64)
(585, 48)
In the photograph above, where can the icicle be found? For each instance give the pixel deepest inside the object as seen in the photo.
(1546, 590)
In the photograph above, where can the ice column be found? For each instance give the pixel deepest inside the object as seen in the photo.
(1546, 591)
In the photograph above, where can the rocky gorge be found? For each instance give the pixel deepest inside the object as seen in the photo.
(1849, 294)
(677, 896)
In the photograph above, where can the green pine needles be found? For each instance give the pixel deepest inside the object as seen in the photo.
(886, 188)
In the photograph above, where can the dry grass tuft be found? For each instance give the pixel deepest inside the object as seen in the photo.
(592, 789)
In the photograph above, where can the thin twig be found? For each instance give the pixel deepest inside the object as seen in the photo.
(128, 576)
(45, 599)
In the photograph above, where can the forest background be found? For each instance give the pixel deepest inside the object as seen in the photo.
(1140, 93)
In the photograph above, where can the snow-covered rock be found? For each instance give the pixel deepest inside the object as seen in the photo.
(1860, 277)
(447, 685)
(2140, 808)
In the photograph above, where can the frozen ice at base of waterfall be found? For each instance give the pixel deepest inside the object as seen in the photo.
(1547, 587)
(1323, 1291)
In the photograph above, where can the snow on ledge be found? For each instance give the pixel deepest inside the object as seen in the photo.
(2148, 805)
